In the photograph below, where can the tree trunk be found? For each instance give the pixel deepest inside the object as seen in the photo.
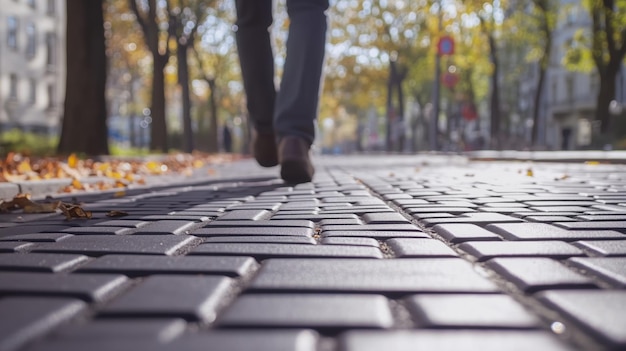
(213, 128)
(158, 131)
(84, 127)
(183, 80)
(606, 94)
(495, 96)
(400, 117)
(391, 112)
(537, 105)
(151, 31)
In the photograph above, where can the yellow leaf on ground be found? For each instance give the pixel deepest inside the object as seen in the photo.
(72, 161)
(24, 167)
(77, 184)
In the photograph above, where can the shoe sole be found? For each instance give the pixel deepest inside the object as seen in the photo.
(294, 172)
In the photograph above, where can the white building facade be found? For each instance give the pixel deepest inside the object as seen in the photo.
(32, 64)
(570, 96)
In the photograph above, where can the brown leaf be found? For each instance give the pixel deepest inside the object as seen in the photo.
(74, 211)
(116, 213)
(42, 208)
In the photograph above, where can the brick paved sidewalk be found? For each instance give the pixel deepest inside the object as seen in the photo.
(378, 253)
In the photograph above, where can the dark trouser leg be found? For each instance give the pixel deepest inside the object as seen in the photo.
(297, 100)
(257, 60)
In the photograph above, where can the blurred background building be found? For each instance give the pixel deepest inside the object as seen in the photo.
(32, 64)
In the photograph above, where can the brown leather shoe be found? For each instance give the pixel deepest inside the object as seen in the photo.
(295, 163)
(264, 148)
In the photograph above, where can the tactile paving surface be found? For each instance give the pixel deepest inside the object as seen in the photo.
(377, 253)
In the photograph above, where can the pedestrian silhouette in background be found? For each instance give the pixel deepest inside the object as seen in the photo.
(227, 139)
(283, 121)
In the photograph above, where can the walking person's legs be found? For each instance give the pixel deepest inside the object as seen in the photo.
(257, 68)
(297, 101)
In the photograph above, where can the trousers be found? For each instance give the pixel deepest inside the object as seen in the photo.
(292, 110)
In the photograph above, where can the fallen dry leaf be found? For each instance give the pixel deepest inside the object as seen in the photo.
(49, 207)
(122, 173)
(115, 214)
(74, 211)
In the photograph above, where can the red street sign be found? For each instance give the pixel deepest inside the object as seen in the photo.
(449, 80)
(445, 45)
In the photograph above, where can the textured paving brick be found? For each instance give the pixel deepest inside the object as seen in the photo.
(473, 218)
(89, 287)
(33, 317)
(179, 217)
(603, 247)
(439, 209)
(246, 340)
(543, 231)
(355, 241)
(77, 344)
(129, 244)
(236, 215)
(308, 311)
(372, 227)
(549, 219)
(613, 225)
(261, 239)
(361, 211)
(123, 223)
(599, 312)
(420, 248)
(38, 237)
(612, 269)
(376, 234)
(384, 276)
(261, 224)
(272, 231)
(460, 232)
(15, 246)
(405, 340)
(385, 218)
(191, 298)
(265, 250)
(157, 329)
(166, 227)
(534, 274)
(345, 221)
(607, 217)
(32, 229)
(490, 249)
(147, 265)
(578, 209)
(97, 230)
(470, 311)
(561, 203)
(34, 262)
(314, 218)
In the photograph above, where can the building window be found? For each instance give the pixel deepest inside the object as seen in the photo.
(13, 86)
(31, 40)
(555, 90)
(595, 83)
(569, 85)
(32, 96)
(12, 32)
(32, 3)
(51, 49)
(51, 7)
(51, 96)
